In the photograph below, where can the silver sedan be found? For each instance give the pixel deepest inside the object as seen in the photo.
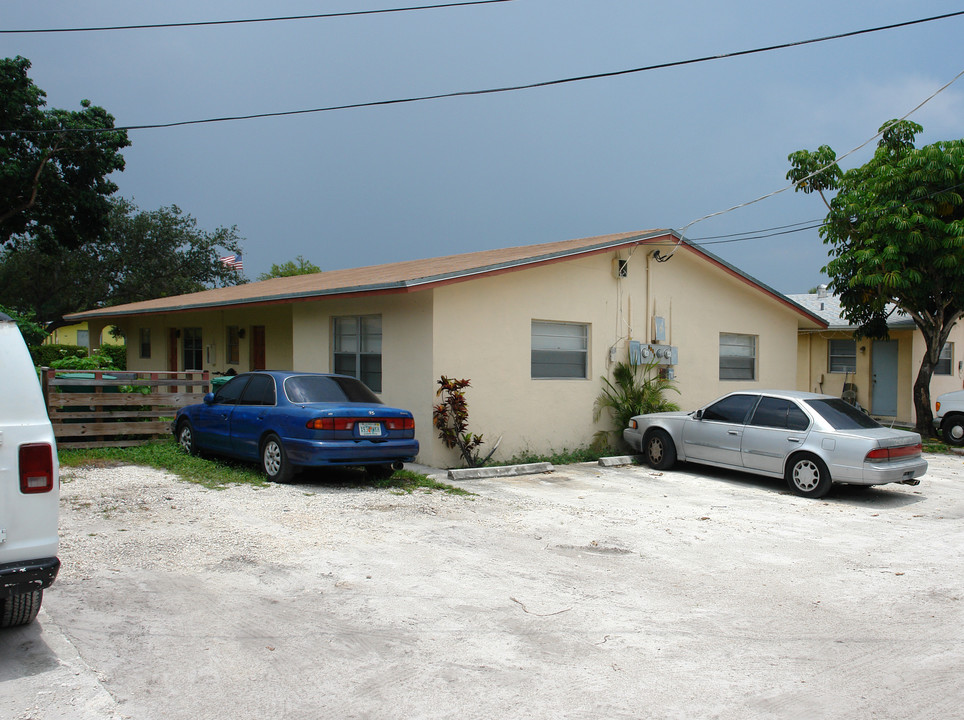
(810, 440)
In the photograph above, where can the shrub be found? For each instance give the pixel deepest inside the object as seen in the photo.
(117, 355)
(47, 355)
(634, 390)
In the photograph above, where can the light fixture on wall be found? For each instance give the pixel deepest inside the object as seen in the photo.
(241, 333)
(863, 349)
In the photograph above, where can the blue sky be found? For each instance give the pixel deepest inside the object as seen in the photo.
(374, 185)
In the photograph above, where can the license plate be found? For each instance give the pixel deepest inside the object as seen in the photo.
(367, 429)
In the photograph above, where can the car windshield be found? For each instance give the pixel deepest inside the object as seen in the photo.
(842, 415)
(328, 389)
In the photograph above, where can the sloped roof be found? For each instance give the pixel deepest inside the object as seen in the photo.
(827, 307)
(414, 275)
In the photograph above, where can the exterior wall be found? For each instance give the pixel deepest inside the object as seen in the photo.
(482, 330)
(67, 335)
(813, 363)
(406, 349)
(213, 324)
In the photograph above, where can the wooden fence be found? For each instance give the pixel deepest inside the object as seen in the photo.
(105, 408)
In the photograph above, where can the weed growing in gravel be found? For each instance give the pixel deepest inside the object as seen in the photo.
(407, 481)
(561, 457)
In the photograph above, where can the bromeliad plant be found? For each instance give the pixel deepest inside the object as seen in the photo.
(634, 390)
(451, 419)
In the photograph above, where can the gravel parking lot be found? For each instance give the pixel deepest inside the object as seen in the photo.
(587, 592)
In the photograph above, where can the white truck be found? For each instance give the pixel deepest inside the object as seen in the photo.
(29, 484)
(949, 418)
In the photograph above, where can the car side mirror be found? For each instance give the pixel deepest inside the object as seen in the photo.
(698, 415)
(209, 399)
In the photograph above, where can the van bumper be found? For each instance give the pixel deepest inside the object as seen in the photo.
(27, 576)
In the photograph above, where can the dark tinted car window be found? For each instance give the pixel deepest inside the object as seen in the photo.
(260, 391)
(777, 413)
(231, 390)
(771, 412)
(324, 388)
(797, 419)
(842, 415)
(731, 409)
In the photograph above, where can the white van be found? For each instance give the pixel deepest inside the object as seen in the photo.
(29, 484)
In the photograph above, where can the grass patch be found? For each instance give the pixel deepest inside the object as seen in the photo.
(562, 457)
(218, 473)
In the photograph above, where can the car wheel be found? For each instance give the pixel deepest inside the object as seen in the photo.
(807, 476)
(659, 450)
(20, 609)
(274, 460)
(185, 437)
(952, 430)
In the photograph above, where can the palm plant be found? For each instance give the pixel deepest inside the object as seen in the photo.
(634, 390)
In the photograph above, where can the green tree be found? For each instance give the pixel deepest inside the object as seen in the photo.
(54, 164)
(148, 254)
(298, 266)
(896, 234)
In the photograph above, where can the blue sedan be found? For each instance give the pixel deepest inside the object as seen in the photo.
(290, 420)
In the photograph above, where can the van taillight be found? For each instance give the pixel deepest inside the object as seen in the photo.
(36, 468)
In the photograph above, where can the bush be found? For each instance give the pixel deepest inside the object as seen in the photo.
(117, 355)
(47, 355)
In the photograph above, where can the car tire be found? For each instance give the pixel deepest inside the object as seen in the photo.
(659, 450)
(20, 609)
(185, 437)
(807, 476)
(952, 430)
(274, 460)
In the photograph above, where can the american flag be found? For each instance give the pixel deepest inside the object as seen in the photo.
(233, 262)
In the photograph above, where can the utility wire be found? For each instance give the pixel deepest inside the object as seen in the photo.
(511, 88)
(251, 20)
(664, 258)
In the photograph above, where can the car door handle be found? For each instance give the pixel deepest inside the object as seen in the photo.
(794, 439)
(732, 432)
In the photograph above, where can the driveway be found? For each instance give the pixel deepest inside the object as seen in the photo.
(587, 592)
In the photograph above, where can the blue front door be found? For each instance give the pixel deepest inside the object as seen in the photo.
(883, 398)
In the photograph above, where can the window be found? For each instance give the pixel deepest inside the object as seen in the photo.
(731, 409)
(783, 414)
(358, 348)
(83, 338)
(843, 356)
(945, 363)
(193, 351)
(231, 390)
(145, 342)
(260, 391)
(737, 357)
(233, 346)
(559, 350)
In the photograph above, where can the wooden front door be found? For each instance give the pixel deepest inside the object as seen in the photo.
(257, 347)
(172, 349)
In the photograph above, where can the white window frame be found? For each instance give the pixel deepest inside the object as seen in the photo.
(947, 356)
(366, 353)
(559, 350)
(735, 350)
(840, 359)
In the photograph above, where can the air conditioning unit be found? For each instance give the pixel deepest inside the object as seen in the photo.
(620, 268)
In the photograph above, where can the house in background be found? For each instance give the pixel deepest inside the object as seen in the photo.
(534, 328)
(79, 334)
(879, 374)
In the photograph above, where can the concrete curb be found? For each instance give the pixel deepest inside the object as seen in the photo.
(501, 471)
(618, 460)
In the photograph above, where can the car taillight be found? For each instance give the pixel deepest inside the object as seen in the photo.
(895, 452)
(399, 423)
(36, 468)
(328, 423)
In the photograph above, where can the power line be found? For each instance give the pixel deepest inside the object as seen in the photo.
(250, 20)
(511, 88)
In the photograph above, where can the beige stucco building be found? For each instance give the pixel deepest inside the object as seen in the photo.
(534, 328)
(879, 374)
